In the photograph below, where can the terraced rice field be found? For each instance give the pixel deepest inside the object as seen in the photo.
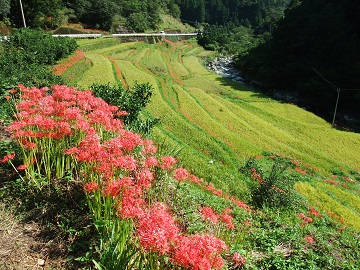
(218, 124)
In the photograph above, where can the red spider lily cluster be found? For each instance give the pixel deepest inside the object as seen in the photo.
(256, 176)
(113, 162)
(208, 214)
(309, 239)
(312, 212)
(63, 67)
(238, 259)
(7, 158)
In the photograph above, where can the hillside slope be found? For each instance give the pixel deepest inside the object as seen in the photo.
(217, 123)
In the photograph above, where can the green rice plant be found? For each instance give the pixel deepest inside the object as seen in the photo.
(179, 68)
(194, 66)
(248, 123)
(342, 196)
(75, 73)
(95, 44)
(139, 55)
(316, 196)
(117, 48)
(101, 72)
(155, 63)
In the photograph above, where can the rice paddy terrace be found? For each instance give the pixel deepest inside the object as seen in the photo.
(218, 124)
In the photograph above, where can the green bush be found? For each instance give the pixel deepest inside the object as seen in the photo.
(40, 47)
(132, 101)
(271, 184)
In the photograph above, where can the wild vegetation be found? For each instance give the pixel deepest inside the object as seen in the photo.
(229, 178)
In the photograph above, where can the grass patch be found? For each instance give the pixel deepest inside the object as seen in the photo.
(319, 197)
(100, 72)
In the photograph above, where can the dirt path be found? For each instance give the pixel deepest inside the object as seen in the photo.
(19, 246)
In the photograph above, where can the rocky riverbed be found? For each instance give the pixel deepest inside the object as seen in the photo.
(224, 66)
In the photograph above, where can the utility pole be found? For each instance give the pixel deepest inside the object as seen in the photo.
(338, 89)
(22, 13)
(336, 105)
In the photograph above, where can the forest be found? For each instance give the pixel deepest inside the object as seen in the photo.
(313, 55)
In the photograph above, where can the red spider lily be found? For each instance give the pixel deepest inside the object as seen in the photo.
(151, 162)
(217, 192)
(63, 67)
(314, 212)
(132, 203)
(22, 167)
(157, 229)
(91, 187)
(167, 162)
(227, 219)
(302, 215)
(144, 178)
(199, 252)
(208, 214)
(256, 176)
(238, 259)
(181, 174)
(113, 188)
(309, 239)
(7, 158)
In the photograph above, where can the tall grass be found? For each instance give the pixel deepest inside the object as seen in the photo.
(101, 71)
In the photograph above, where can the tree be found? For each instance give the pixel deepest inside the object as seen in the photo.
(4, 8)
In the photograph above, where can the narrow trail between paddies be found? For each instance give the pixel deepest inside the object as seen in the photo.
(218, 123)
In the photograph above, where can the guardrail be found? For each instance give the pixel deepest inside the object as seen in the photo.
(125, 35)
(116, 35)
(79, 35)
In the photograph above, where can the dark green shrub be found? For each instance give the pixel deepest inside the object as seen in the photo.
(132, 101)
(271, 183)
(39, 46)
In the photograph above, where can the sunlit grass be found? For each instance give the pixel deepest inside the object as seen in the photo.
(139, 55)
(76, 72)
(116, 48)
(318, 196)
(100, 72)
(342, 195)
(155, 63)
(194, 66)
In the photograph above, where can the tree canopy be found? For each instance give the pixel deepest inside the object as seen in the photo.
(313, 51)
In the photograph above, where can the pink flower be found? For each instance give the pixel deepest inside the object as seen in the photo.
(199, 252)
(22, 167)
(181, 174)
(309, 239)
(227, 219)
(91, 187)
(149, 147)
(208, 214)
(167, 162)
(131, 203)
(157, 229)
(7, 158)
(113, 188)
(238, 259)
(301, 215)
(308, 220)
(314, 212)
(151, 162)
(145, 177)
